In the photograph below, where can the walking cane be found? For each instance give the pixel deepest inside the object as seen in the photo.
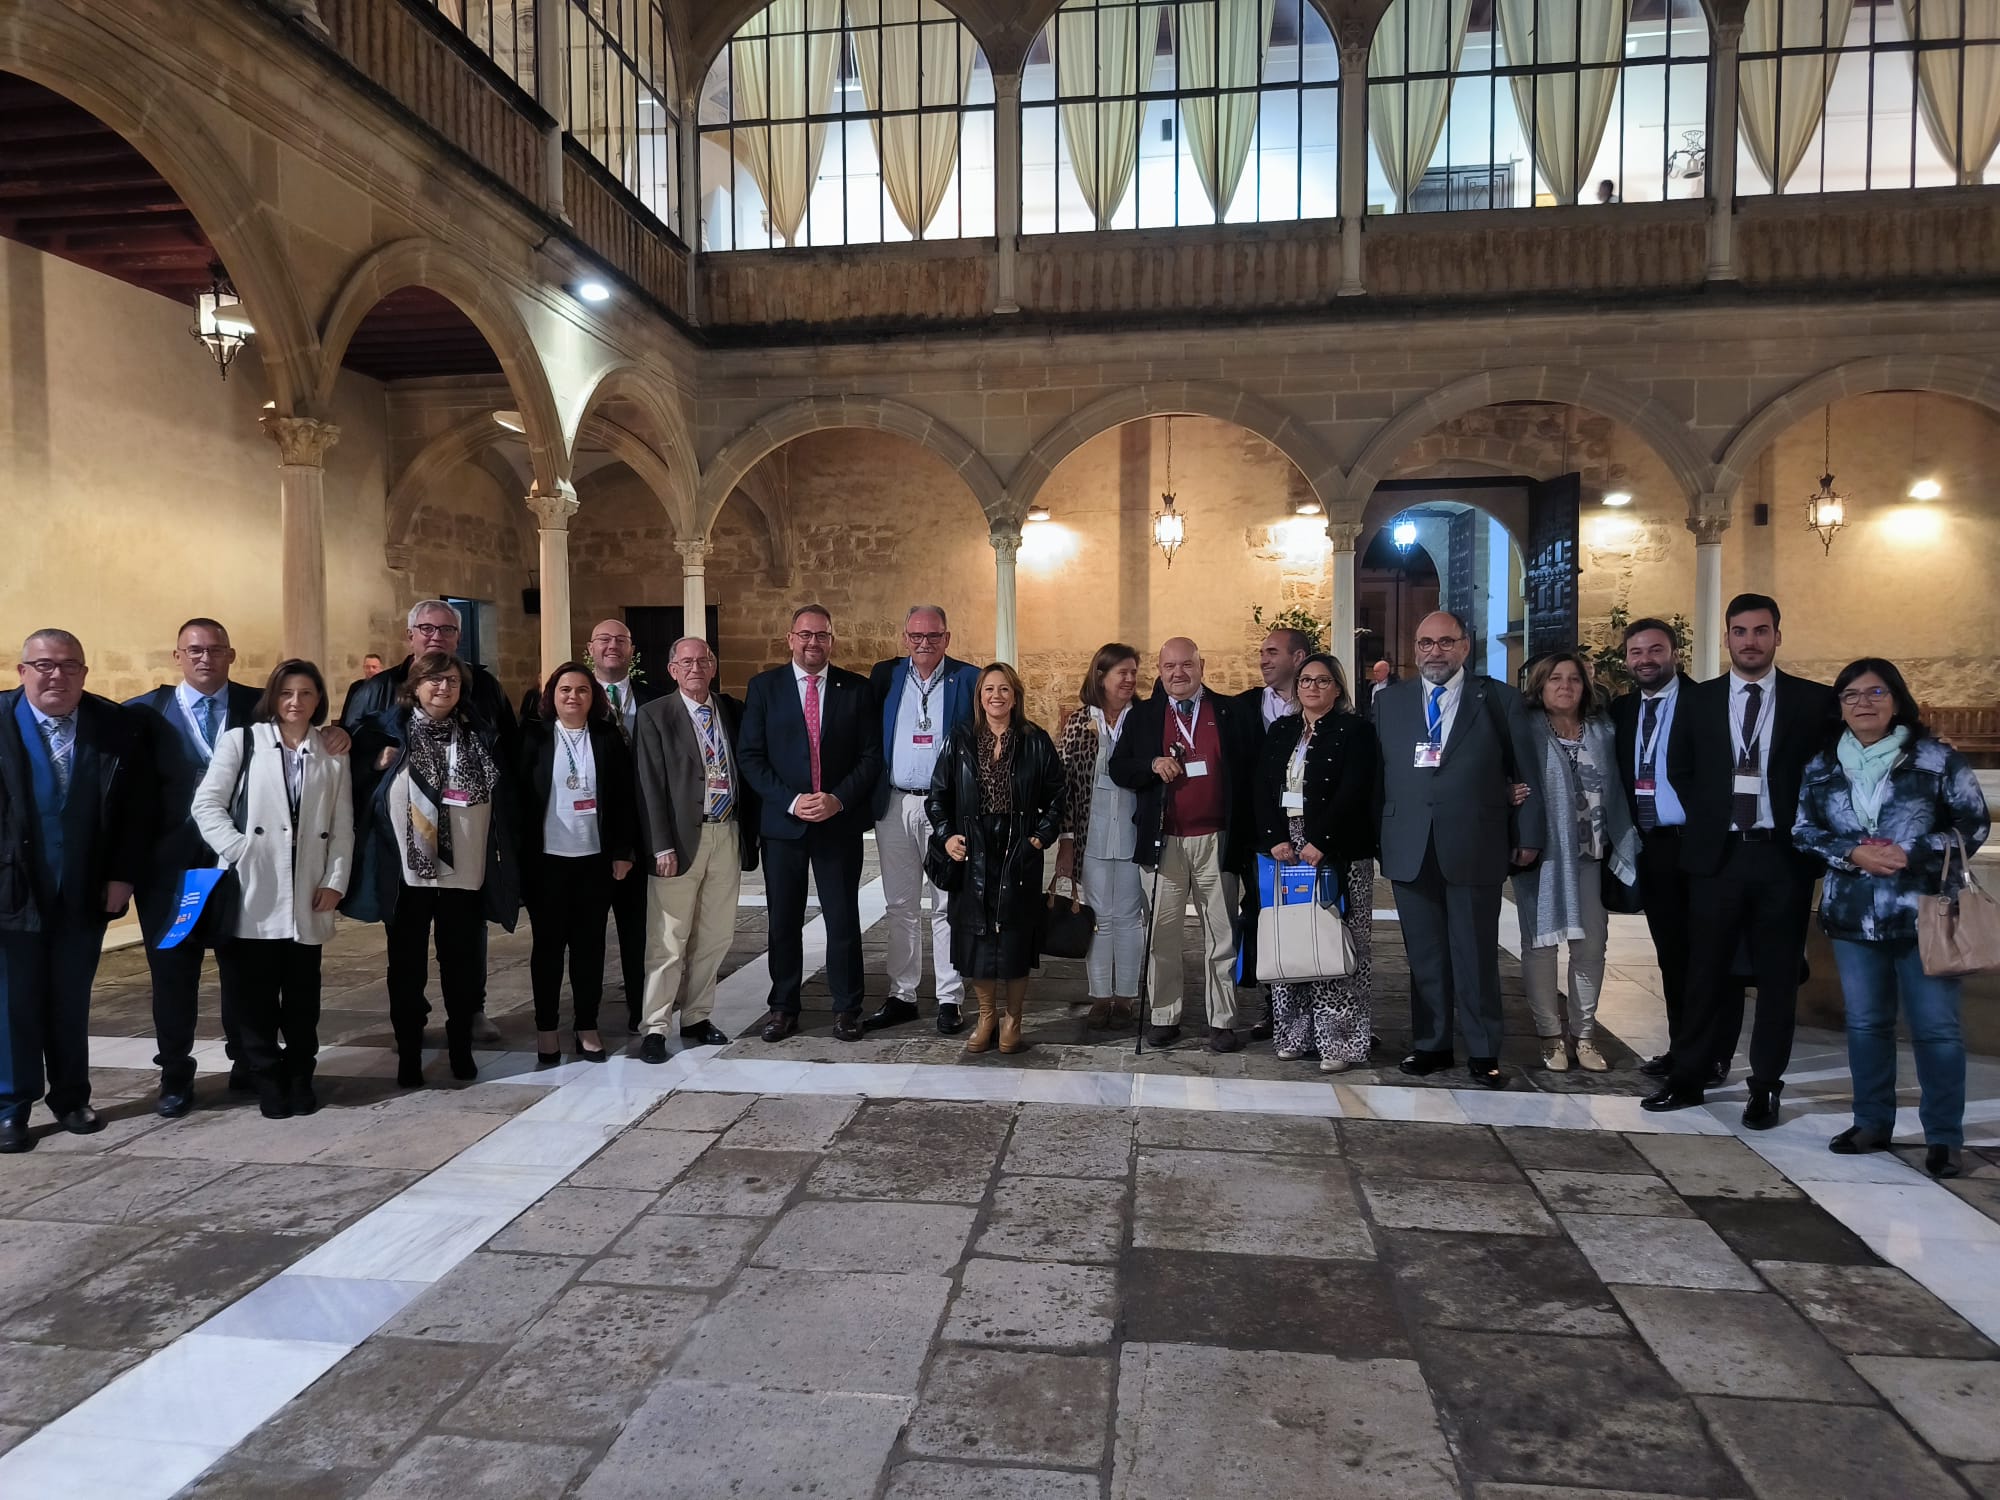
(1146, 966)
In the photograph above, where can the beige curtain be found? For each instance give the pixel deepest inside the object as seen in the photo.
(1406, 119)
(1221, 44)
(1783, 103)
(780, 75)
(1569, 110)
(928, 64)
(1938, 81)
(1109, 51)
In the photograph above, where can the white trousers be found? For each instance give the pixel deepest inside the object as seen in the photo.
(1115, 890)
(691, 918)
(900, 839)
(1586, 962)
(1192, 867)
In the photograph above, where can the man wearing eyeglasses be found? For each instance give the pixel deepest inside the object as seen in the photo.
(610, 658)
(922, 697)
(811, 749)
(75, 815)
(1454, 745)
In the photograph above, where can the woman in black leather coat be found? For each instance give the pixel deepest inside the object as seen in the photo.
(995, 805)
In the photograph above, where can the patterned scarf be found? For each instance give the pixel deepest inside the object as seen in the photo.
(427, 757)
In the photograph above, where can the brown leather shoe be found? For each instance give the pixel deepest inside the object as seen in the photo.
(778, 1024)
(1099, 1018)
(847, 1026)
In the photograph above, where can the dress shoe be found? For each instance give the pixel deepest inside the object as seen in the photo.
(83, 1120)
(704, 1034)
(1555, 1055)
(273, 1105)
(1162, 1036)
(1589, 1058)
(1222, 1039)
(1099, 1018)
(1718, 1075)
(1657, 1067)
(1486, 1072)
(1420, 1064)
(1856, 1139)
(1672, 1097)
(847, 1026)
(894, 1012)
(1942, 1161)
(1334, 1065)
(1761, 1113)
(304, 1101)
(410, 1070)
(15, 1136)
(1123, 1014)
(240, 1081)
(653, 1049)
(458, 1052)
(548, 1059)
(174, 1103)
(779, 1024)
(949, 1021)
(484, 1032)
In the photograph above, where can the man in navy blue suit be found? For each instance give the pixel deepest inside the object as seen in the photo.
(811, 746)
(923, 697)
(74, 822)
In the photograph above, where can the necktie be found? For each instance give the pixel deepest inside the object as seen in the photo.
(711, 753)
(208, 722)
(1185, 708)
(1743, 805)
(60, 737)
(812, 725)
(1649, 725)
(1434, 711)
(617, 702)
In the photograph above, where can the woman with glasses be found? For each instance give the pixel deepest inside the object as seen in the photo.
(1560, 899)
(1881, 804)
(1098, 835)
(1315, 793)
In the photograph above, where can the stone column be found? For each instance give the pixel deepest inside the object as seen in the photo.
(1708, 526)
(552, 509)
(1344, 535)
(302, 444)
(1722, 154)
(1007, 185)
(1006, 547)
(690, 148)
(552, 93)
(1353, 168)
(694, 586)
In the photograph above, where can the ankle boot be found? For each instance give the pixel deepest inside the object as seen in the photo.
(989, 1017)
(1010, 1023)
(458, 1048)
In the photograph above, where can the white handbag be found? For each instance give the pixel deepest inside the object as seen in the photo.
(1300, 941)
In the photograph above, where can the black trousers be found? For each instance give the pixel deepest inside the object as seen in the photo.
(459, 919)
(569, 900)
(1665, 888)
(834, 858)
(630, 907)
(1760, 900)
(176, 1007)
(45, 980)
(270, 990)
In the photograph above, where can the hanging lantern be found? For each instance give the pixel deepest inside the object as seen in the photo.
(1169, 526)
(1826, 511)
(1404, 535)
(221, 321)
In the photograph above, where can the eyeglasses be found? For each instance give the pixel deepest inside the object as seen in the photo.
(611, 640)
(52, 668)
(1427, 643)
(922, 637)
(1853, 696)
(432, 681)
(1315, 682)
(814, 637)
(430, 632)
(704, 660)
(202, 653)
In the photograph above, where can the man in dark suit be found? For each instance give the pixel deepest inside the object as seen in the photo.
(699, 816)
(1378, 676)
(1181, 750)
(1279, 658)
(1454, 745)
(610, 654)
(75, 823)
(922, 697)
(812, 751)
(437, 626)
(1738, 764)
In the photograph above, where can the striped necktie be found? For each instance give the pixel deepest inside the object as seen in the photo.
(60, 737)
(208, 722)
(719, 798)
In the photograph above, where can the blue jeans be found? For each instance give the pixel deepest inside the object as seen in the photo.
(1872, 976)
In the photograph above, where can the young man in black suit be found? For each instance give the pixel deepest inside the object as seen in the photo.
(812, 749)
(1737, 764)
(610, 657)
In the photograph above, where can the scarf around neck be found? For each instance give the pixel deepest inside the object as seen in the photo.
(1868, 768)
(427, 831)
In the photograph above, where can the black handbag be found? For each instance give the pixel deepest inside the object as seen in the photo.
(1621, 897)
(1068, 925)
(946, 874)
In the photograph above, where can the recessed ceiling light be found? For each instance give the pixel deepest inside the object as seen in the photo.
(1926, 489)
(1306, 507)
(593, 291)
(511, 420)
(1618, 497)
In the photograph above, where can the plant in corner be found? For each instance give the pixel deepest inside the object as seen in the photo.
(1607, 653)
(1295, 617)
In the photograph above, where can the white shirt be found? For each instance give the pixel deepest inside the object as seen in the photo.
(1454, 690)
(721, 735)
(627, 706)
(1112, 835)
(1666, 801)
(1276, 706)
(1766, 715)
(190, 706)
(911, 764)
(565, 831)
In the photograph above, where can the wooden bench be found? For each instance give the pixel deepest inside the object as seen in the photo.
(1974, 731)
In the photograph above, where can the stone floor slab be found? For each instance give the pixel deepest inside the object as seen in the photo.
(238, 1478)
(707, 1440)
(488, 1298)
(647, 1160)
(1454, 1153)
(410, 1142)
(1055, 1218)
(1793, 1450)
(1244, 1204)
(1291, 1423)
(1571, 1150)
(925, 1479)
(39, 1382)
(1984, 1479)
(1014, 1407)
(573, 1221)
(1876, 1310)
(818, 1331)
(1952, 1403)
(27, 1178)
(1608, 1193)
(738, 1184)
(690, 1250)
(1034, 1305)
(799, 1122)
(1503, 1283)
(1713, 1166)
(37, 1259)
(451, 1468)
(1202, 1130)
(1459, 1207)
(1564, 1492)
(1783, 1229)
(366, 1407)
(1055, 1140)
(926, 1238)
(1658, 1252)
(127, 1192)
(307, 1197)
(699, 1112)
(1342, 1307)
(1738, 1344)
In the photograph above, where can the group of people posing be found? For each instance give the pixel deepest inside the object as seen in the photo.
(433, 809)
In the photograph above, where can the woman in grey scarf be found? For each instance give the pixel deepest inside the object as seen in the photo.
(1561, 898)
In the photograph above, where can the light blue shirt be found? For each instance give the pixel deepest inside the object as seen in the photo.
(190, 703)
(911, 764)
(1666, 802)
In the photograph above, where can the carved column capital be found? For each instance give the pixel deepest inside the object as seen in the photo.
(1007, 87)
(1006, 544)
(1708, 519)
(694, 552)
(1343, 534)
(553, 508)
(302, 441)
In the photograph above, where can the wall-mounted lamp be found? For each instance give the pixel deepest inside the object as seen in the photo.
(593, 290)
(221, 321)
(1038, 512)
(1618, 498)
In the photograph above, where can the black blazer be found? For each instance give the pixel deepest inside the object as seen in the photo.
(1343, 763)
(1702, 762)
(1625, 734)
(617, 783)
(1140, 744)
(177, 767)
(778, 763)
(109, 835)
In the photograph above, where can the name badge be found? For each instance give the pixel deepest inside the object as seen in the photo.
(1293, 802)
(1747, 784)
(1430, 755)
(1196, 767)
(585, 805)
(718, 783)
(1644, 786)
(457, 797)
(923, 739)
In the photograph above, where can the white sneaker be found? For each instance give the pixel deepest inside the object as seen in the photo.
(1589, 1058)
(1290, 1054)
(1555, 1057)
(1334, 1065)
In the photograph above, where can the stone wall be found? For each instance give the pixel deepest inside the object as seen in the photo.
(472, 540)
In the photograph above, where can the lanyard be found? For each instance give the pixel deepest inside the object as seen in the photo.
(1189, 727)
(190, 713)
(711, 743)
(1295, 767)
(569, 744)
(924, 696)
(1746, 753)
(1663, 706)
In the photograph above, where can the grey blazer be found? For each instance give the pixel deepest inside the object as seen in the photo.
(671, 789)
(1465, 806)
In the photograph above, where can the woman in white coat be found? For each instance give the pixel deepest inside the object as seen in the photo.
(276, 807)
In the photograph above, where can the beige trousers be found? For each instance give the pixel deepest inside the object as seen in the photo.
(693, 917)
(1192, 868)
